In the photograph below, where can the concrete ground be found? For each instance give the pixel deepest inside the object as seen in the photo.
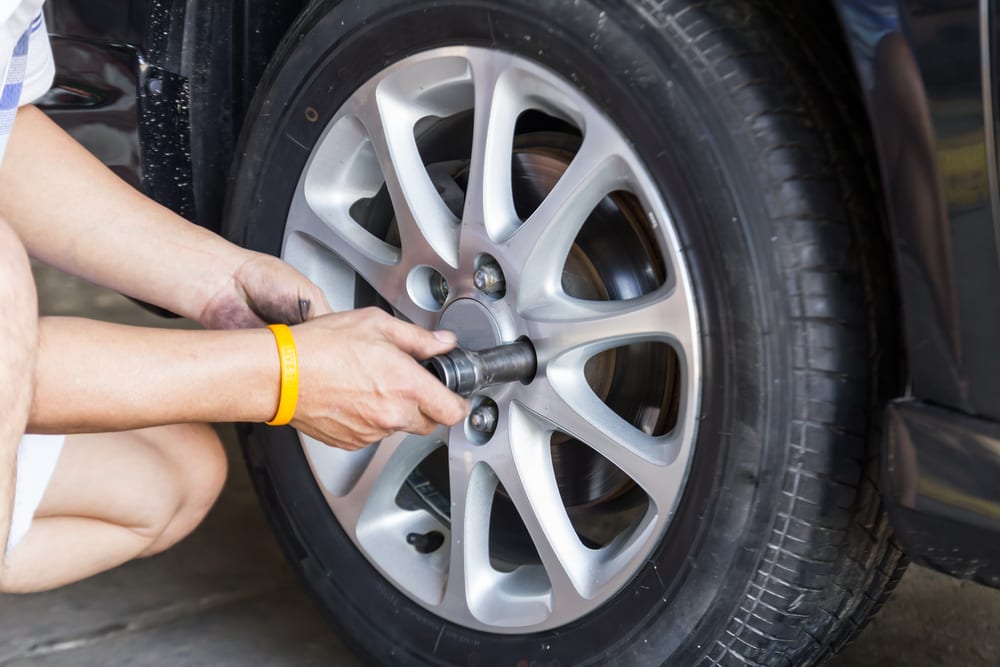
(225, 596)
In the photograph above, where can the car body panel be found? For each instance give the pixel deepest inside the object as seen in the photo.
(928, 75)
(941, 474)
(921, 68)
(166, 84)
(97, 103)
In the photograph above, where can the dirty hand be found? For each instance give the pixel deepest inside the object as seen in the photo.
(359, 380)
(264, 290)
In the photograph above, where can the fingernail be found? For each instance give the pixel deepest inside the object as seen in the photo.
(445, 336)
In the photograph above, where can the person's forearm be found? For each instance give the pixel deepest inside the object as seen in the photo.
(93, 376)
(74, 213)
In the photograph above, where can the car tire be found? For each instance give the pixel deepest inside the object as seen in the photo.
(777, 550)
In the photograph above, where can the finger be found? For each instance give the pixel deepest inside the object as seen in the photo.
(407, 416)
(417, 342)
(315, 305)
(421, 424)
(320, 307)
(440, 404)
(437, 424)
(277, 309)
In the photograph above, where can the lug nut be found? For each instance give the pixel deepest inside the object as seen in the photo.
(489, 279)
(484, 419)
(439, 288)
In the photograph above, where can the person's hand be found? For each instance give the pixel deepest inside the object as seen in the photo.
(359, 380)
(264, 290)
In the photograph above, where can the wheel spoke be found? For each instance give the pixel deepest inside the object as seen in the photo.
(568, 405)
(374, 494)
(470, 576)
(336, 470)
(321, 213)
(489, 200)
(561, 325)
(544, 240)
(428, 231)
(529, 479)
(374, 260)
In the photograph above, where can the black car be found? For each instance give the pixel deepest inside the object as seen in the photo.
(753, 243)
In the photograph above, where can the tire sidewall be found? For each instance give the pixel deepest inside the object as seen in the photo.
(680, 601)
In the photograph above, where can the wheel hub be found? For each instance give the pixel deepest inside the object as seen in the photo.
(472, 323)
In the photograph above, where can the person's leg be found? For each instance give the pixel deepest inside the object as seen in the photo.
(18, 340)
(115, 497)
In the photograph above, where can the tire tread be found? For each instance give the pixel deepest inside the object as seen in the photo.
(831, 561)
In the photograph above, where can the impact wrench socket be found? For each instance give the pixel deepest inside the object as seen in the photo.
(466, 372)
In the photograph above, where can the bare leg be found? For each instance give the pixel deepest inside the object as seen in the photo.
(115, 497)
(18, 333)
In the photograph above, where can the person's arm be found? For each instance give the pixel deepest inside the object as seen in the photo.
(74, 213)
(359, 381)
(94, 376)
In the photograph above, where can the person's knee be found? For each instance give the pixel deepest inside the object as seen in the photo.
(18, 330)
(205, 469)
(163, 495)
(19, 333)
(17, 287)
(19, 324)
(199, 464)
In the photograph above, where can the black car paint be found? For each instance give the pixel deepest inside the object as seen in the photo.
(943, 471)
(158, 89)
(928, 74)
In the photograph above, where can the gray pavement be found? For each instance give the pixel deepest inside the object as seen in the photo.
(225, 597)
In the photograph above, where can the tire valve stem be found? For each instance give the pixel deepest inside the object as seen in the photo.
(426, 543)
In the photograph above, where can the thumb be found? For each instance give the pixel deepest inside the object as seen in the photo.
(417, 342)
(319, 306)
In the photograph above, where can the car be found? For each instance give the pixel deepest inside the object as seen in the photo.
(752, 244)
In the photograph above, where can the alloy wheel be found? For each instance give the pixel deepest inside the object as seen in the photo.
(470, 189)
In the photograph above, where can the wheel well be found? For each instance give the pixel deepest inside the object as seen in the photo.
(223, 51)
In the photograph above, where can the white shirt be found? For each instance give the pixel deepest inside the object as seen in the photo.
(25, 59)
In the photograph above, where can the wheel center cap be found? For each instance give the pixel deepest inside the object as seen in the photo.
(473, 323)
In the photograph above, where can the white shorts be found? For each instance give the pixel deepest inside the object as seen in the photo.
(37, 456)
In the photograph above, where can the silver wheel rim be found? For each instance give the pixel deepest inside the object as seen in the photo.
(371, 145)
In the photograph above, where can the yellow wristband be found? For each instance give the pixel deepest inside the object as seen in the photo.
(289, 375)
